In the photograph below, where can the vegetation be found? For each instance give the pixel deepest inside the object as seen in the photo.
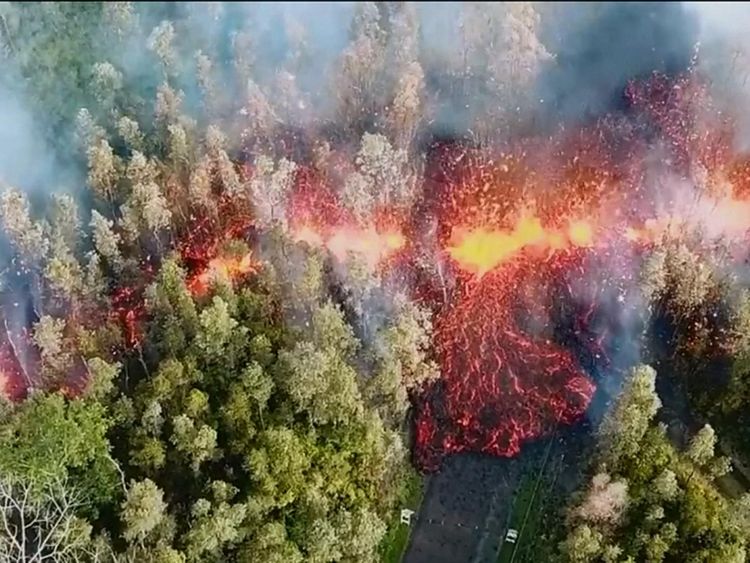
(190, 373)
(183, 409)
(647, 501)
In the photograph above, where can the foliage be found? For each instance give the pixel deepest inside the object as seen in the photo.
(663, 507)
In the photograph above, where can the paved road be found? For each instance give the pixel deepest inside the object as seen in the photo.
(467, 506)
(466, 503)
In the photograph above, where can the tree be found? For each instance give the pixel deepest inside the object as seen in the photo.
(322, 543)
(520, 54)
(130, 132)
(50, 439)
(88, 132)
(198, 444)
(48, 336)
(101, 378)
(222, 165)
(247, 399)
(161, 43)
(605, 502)
(42, 525)
(65, 224)
(405, 113)
(270, 543)
(214, 526)
(270, 187)
(320, 383)
(216, 329)
(654, 276)
(167, 106)
(142, 510)
(582, 545)
(627, 422)
(361, 532)
(386, 168)
(104, 170)
(664, 486)
(691, 279)
(279, 465)
(741, 507)
(178, 149)
(26, 235)
(106, 240)
(611, 554)
(107, 81)
(62, 271)
(168, 299)
(361, 65)
(701, 448)
(204, 71)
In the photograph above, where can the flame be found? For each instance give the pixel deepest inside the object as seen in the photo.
(227, 268)
(481, 250)
(581, 233)
(370, 244)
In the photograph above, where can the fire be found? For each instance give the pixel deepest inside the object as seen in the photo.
(581, 234)
(370, 244)
(517, 305)
(480, 250)
(227, 268)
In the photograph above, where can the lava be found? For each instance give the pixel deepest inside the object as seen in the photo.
(481, 250)
(500, 385)
(519, 255)
(230, 268)
(369, 244)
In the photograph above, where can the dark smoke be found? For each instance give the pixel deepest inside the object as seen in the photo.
(599, 47)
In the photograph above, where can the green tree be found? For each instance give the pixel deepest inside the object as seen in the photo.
(197, 443)
(625, 425)
(50, 439)
(582, 545)
(214, 526)
(142, 510)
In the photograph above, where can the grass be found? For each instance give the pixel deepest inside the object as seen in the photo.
(521, 504)
(396, 538)
(533, 515)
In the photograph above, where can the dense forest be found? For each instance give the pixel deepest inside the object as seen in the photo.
(264, 266)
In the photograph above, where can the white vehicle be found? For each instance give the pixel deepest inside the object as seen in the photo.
(511, 535)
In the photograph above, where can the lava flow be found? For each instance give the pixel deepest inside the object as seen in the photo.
(369, 244)
(520, 255)
(541, 289)
(481, 250)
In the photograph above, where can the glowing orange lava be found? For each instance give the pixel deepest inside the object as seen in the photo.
(224, 268)
(370, 244)
(481, 250)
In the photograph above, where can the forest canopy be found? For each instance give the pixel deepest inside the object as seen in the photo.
(263, 264)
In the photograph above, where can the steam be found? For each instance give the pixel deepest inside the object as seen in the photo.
(596, 48)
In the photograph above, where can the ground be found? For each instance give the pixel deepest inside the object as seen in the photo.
(470, 504)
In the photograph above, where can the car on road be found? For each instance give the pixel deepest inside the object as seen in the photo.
(511, 535)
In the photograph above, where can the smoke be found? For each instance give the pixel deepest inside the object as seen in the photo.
(27, 161)
(596, 48)
(725, 58)
(600, 46)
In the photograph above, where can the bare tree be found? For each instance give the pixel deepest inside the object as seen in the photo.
(42, 526)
